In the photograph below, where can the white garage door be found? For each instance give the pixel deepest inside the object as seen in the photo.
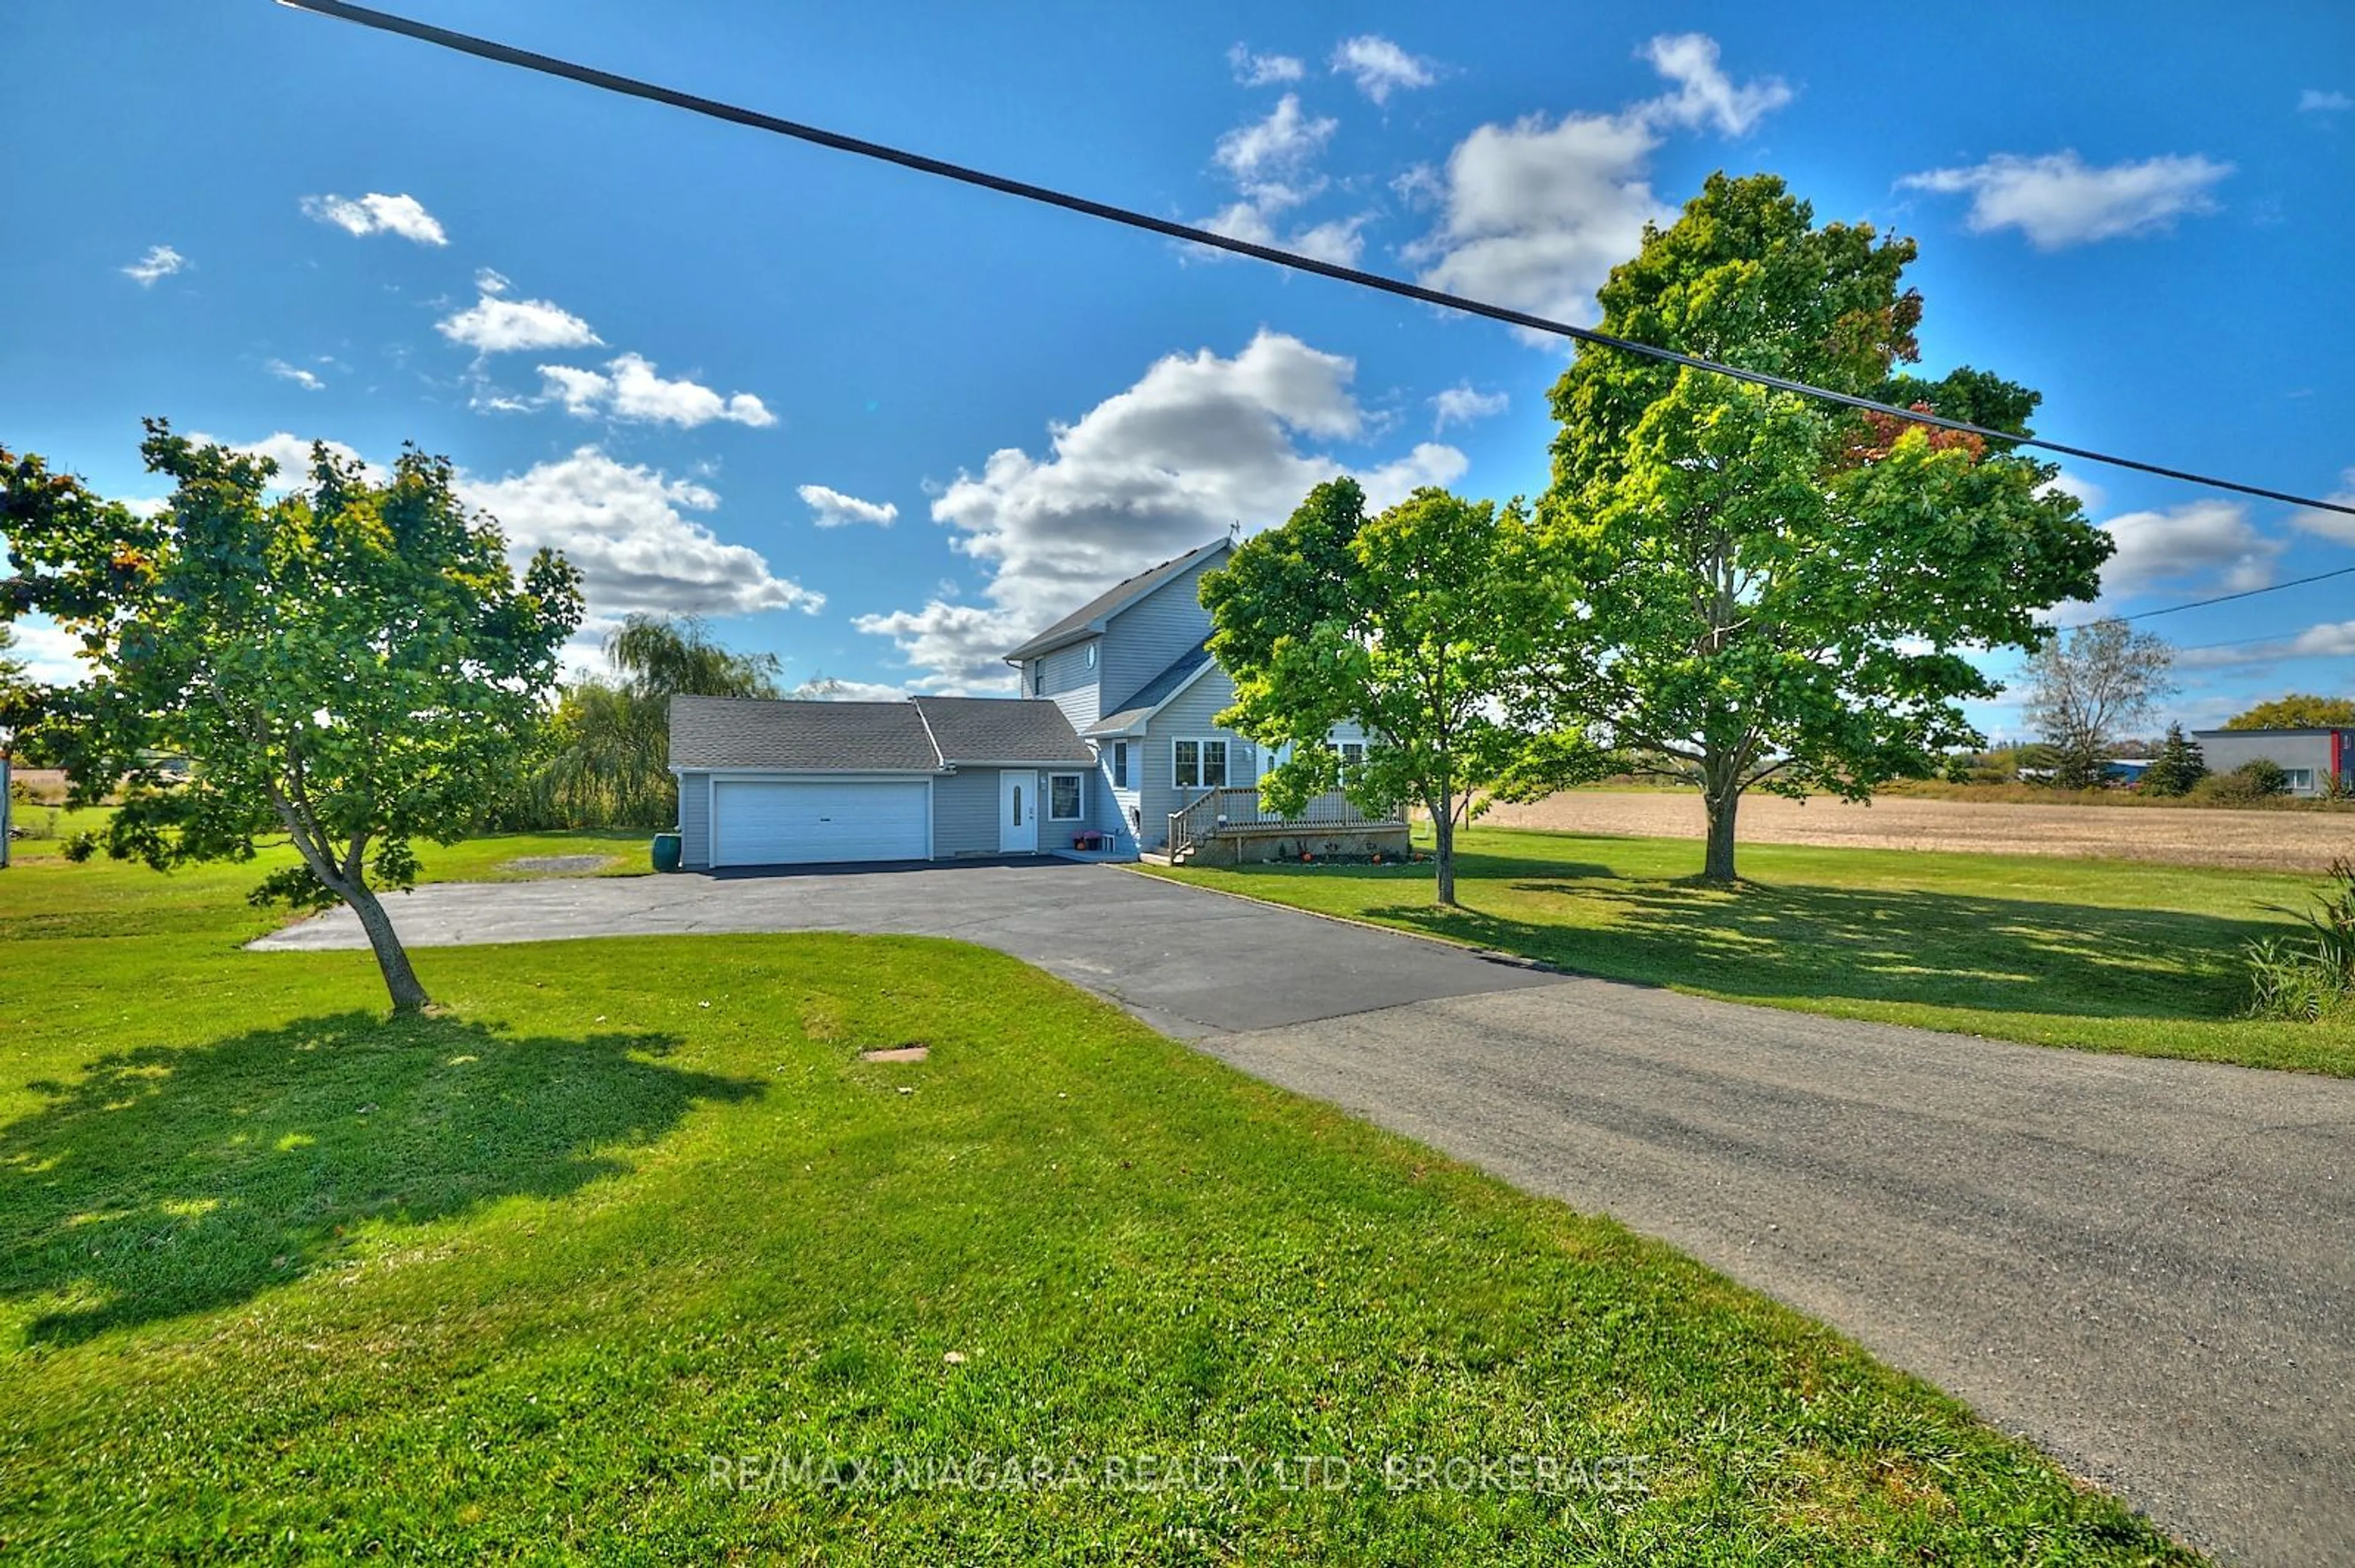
(757, 824)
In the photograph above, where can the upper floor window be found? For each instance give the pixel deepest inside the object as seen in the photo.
(1039, 678)
(1092, 655)
(1120, 764)
(1353, 756)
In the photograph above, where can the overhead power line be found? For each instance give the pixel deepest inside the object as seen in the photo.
(548, 65)
(2243, 593)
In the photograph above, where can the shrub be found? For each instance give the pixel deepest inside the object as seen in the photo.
(2265, 777)
(2302, 979)
(2244, 786)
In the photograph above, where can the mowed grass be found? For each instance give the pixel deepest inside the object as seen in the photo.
(2097, 955)
(282, 1280)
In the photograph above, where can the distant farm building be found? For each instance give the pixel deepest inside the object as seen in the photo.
(2312, 758)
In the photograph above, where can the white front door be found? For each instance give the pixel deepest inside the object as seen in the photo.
(1018, 812)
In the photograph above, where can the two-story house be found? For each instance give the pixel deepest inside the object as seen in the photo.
(1113, 733)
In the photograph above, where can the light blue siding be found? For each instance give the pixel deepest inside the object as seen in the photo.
(1188, 717)
(1072, 681)
(964, 813)
(1147, 637)
(694, 821)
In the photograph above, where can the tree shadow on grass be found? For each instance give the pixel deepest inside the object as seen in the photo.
(169, 1180)
(1807, 941)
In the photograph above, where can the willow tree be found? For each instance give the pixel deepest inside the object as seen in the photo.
(348, 669)
(608, 755)
(1780, 592)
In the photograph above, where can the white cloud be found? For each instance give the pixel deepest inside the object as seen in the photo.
(2316, 100)
(495, 325)
(378, 214)
(2204, 542)
(2089, 495)
(1285, 140)
(2331, 639)
(1705, 94)
(1460, 405)
(825, 688)
(161, 262)
(633, 391)
(2331, 525)
(833, 509)
(1199, 442)
(958, 646)
(1534, 216)
(295, 373)
(1380, 68)
(292, 452)
(1260, 70)
(50, 655)
(1269, 160)
(624, 526)
(2058, 200)
(491, 281)
(1337, 241)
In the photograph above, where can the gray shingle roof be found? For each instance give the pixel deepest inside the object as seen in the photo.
(1153, 692)
(1001, 730)
(803, 736)
(920, 736)
(1078, 622)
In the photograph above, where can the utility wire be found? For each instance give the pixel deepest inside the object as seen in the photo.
(2243, 593)
(547, 64)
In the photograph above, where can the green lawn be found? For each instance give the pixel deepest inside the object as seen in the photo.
(2097, 955)
(281, 1279)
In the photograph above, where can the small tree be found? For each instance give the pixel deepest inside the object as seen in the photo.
(1416, 626)
(2086, 686)
(2298, 710)
(2178, 765)
(355, 668)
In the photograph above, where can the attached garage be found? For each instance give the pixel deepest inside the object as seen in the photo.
(784, 782)
(759, 822)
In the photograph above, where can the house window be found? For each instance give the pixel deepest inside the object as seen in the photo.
(1062, 797)
(1353, 757)
(1039, 678)
(1120, 764)
(1092, 655)
(2301, 780)
(1198, 764)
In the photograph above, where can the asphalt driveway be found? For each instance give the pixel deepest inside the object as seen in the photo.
(2145, 1266)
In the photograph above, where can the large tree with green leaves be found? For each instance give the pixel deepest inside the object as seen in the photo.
(1416, 625)
(2297, 711)
(608, 758)
(351, 668)
(1780, 592)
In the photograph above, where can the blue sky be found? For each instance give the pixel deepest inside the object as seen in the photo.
(884, 426)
